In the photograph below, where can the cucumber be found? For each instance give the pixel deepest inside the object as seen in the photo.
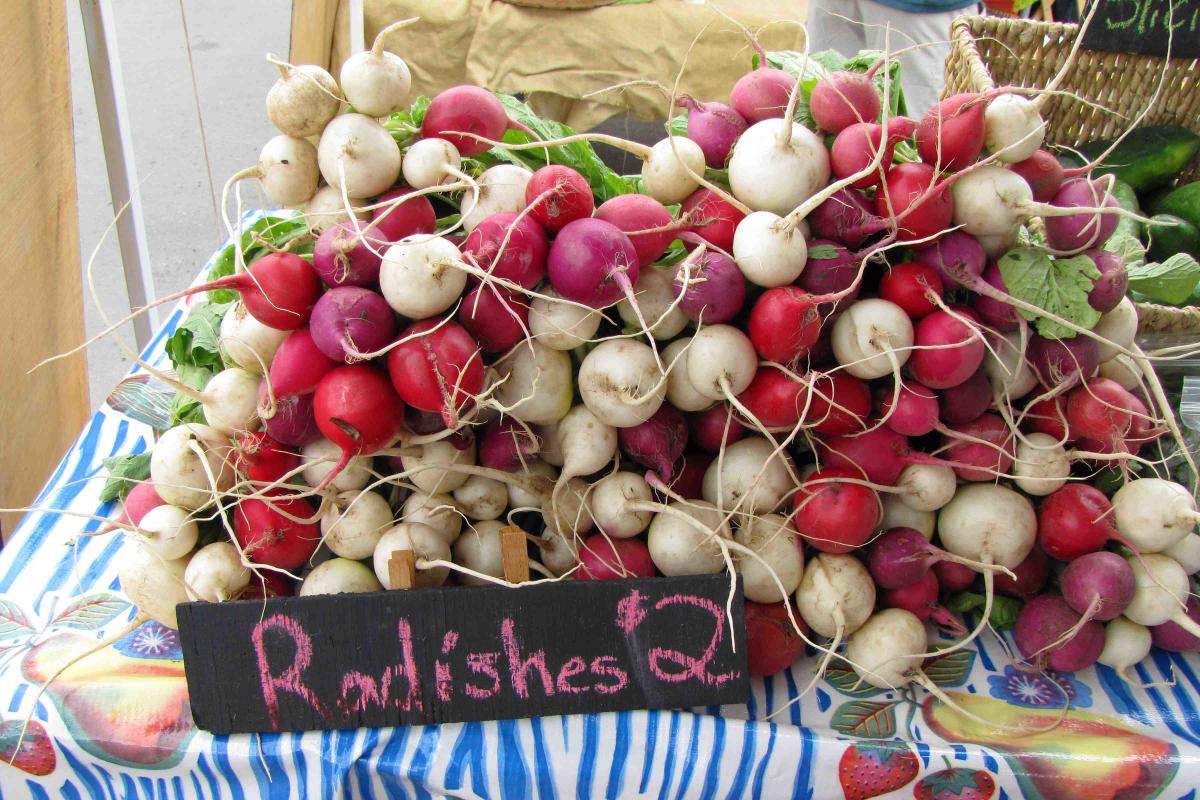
(1148, 157)
(1183, 202)
(1174, 236)
(1124, 194)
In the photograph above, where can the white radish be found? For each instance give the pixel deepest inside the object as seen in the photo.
(776, 165)
(721, 361)
(542, 476)
(376, 83)
(655, 294)
(326, 209)
(887, 649)
(303, 100)
(665, 169)
(1117, 330)
(425, 543)
(431, 467)
(1007, 369)
(773, 540)
(430, 162)
(478, 549)
(215, 573)
(610, 499)
(991, 201)
(836, 595)
(537, 383)
(354, 523)
(169, 531)
(357, 154)
(287, 169)
(769, 250)
(1154, 514)
(1162, 590)
(678, 547)
(988, 523)
(899, 514)
(247, 343)
(680, 391)
(319, 458)
(560, 325)
(872, 338)
(557, 553)
(1126, 643)
(620, 381)
(437, 511)
(501, 189)
(1187, 552)
(1122, 369)
(1013, 127)
(551, 450)
(750, 478)
(926, 487)
(571, 511)
(481, 498)
(152, 583)
(1041, 465)
(178, 471)
(339, 576)
(587, 444)
(419, 276)
(230, 401)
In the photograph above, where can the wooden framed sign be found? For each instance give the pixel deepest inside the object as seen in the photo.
(1142, 27)
(460, 654)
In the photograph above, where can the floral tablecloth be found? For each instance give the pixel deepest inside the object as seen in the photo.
(117, 724)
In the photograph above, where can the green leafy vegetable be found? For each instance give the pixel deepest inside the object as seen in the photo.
(1169, 282)
(1060, 286)
(1127, 246)
(1004, 609)
(277, 231)
(405, 126)
(195, 356)
(124, 472)
(823, 252)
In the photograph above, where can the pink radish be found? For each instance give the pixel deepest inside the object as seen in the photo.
(980, 448)
(506, 446)
(1098, 585)
(592, 262)
(465, 109)
(299, 364)
(714, 127)
(842, 99)
(605, 559)
(711, 217)
(948, 350)
(951, 134)
(398, 220)
(914, 411)
(1043, 172)
(846, 218)
(342, 258)
(523, 259)
(761, 93)
(348, 321)
(913, 195)
(645, 220)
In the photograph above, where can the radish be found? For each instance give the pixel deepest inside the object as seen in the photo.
(1098, 585)
(507, 446)
(465, 109)
(1117, 330)
(509, 247)
(358, 156)
(668, 169)
(773, 399)
(846, 217)
(926, 487)
(750, 477)
(872, 338)
(537, 383)
(289, 420)
(988, 523)
(714, 127)
(501, 189)
(1041, 466)
(276, 531)
(303, 100)
(621, 383)
(558, 555)
(348, 321)
(843, 98)
(141, 499)
(1154, 514)
(558, 195)
(996, 314)
(426, 545)
(438, 511)
(770, 537)
(1043, 172)
(710, 288)
(1172, 637)
(319, 458)
(903, 556)
(682, 547)
(376, 82)
(287, 169)
(773, 642)
(769, 250)
(921, 600)
(653, 299)
(1007, 368)
(912, 410)
(980, 449)
(948, 350)
(604, 559)
(715, 429)
(951, 134)
(299, 365)
(169, 532)
(437, 367)
(909, 285)
(879, 454)
(420, 276)
(887, 648)
(680, 392)
(833, 515)
(245, 342)
(646, 221)
(1101, 409)
(898, 514)
(954, 577)
(327, 208)
(840, 403)
(1125, 645)
(496, 317)
(855, 149)
(1063, 362)
(1028, 578)
(1050, 632)
(354, 522)
(479, 550)
(358, 410)
(342, 256)
(1186, 551)
(611, 499)
(836, 595)
(784, 323)
(656, 443)
(215, 573)
(1013, 127)
(913, 196)
(432, 467)
(155, 586)
(721, 361)
(1111, 287)
(712, 218)
(592, 262)
(339, 576)
(571, 510)
(1074, 520)
(776, 165)
(1080, 231)
(561, 326)
(761, 93)
(431, 162)
(230, 401)
(587, 444)
(187, 461)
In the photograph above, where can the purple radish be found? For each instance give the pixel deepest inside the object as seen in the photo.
(715, 291)
(967, 401)
(1063, 361)
(1032, 574)
(901, 557)
(1098, 585)
(921, 598)
(847, 218)
(293, 422)
(1112, 285)
(995, 314)
(958, 257)
(593, 262)
(713, 126)
(1052, 634)
(1075, 232)
(1171, 636)
(349, 321)
(832, 268)
(507, 446)
(341, 258)
(658, 442)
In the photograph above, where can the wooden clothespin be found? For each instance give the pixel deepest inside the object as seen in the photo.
(402, 569)
(514, 550)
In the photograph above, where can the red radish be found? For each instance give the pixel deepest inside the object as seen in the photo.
(840, 404)
(846, 218)
(981, 448)
(715, 288)
(1063, 362)
(358, 410)
(497, 317)
(994, 313)
(1043, 622)
(439, 369)
(951, 134)
(784, 323)
(954, 577)
(465, 109)
(261, 458)
(715, 428)
(947, 350)
(1075, 232)
(772, 644)
(558, 195)
(140, 500)
(761, 94)
(909, 285)
(915, 411)
(710, 217)
(395, 222)
(1100, 409)
(921, 599)
(902, 557)
(342, 258)
(689, 475)
(832, 515)
(523, 260)
(966, 401)
(658, 442)
(1043, 172)
(1113, 284)
(901, 128)
(844, 98)
(879, 455)
(1098, 585)
(266, 584)
(1171, 636)
(593, 262)
(299, 364)
(914, 191)
(774, 398)
(507, 446)
(854, 150)
(1075, 520)
(278, 290)
(269, 535)
(1049, 416)
(646, 221)
(606, 559)
(714, 127)
(292, 422)
(1032, 574)
(348, 321)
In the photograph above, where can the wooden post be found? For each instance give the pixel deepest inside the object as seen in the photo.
(514, 550)
(45, 411)
(312, 32)
(402, 569)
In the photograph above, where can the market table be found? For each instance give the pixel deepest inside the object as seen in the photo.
(118, 724)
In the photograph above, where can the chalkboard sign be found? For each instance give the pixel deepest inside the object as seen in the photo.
(462, 653)
(1141, 27)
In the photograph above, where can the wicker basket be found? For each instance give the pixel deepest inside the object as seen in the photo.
(562, 5)
(986, 51)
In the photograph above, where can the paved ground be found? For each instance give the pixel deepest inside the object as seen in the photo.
(228, 39)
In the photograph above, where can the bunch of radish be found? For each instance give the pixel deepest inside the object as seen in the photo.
(827, 390)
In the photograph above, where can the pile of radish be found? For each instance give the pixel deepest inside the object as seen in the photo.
(792, 355)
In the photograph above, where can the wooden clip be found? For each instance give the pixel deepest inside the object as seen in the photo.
(402, 570)
(514, 550)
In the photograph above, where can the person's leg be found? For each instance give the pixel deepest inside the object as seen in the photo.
(830, 28)
(921, 68)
